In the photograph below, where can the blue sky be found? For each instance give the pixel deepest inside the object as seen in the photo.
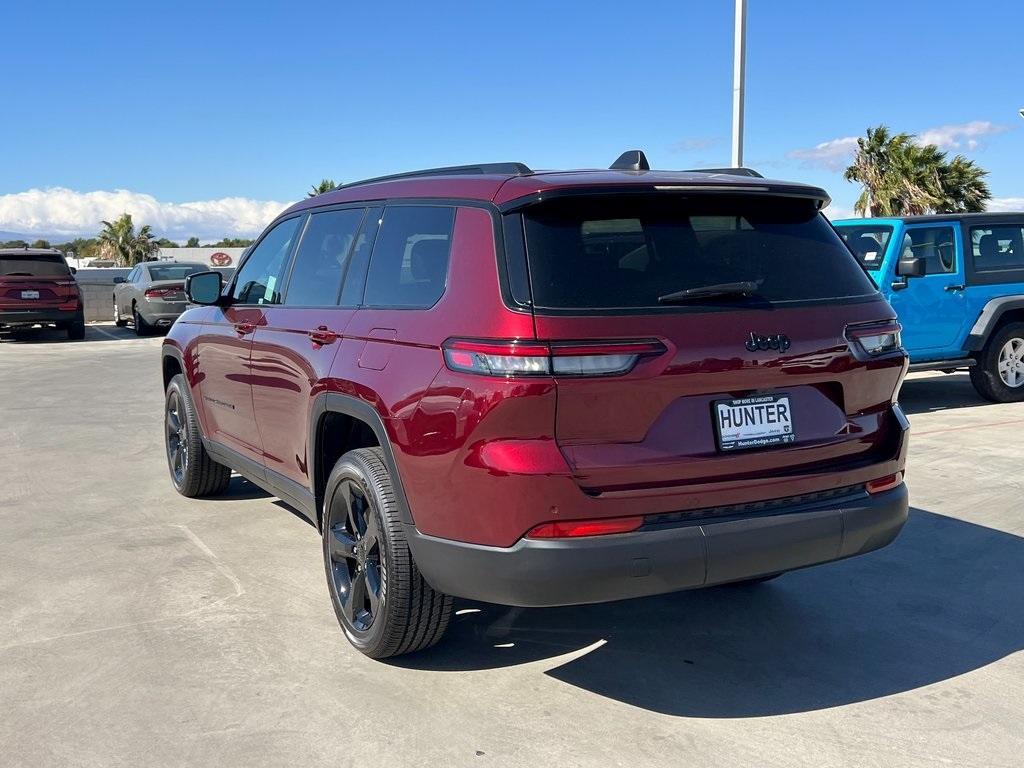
(239, 107)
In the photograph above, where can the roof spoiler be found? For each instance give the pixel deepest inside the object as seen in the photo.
(730, 171)
(500, 169)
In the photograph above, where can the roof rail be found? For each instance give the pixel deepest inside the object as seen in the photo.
(730, 171)
(505, 169)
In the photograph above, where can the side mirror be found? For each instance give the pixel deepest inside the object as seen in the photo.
(910, 267)
(204, 287)
(120, 279)
(73, 270)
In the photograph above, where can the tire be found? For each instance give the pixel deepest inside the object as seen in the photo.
(198, 474)
(142, 328)
(362, 536)
(76, 329)
(1004, 348)
(118, 320)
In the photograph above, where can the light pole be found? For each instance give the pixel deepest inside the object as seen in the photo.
(738, 67)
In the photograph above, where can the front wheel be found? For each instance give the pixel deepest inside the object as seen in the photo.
(385, 607)
(999, 374)
(193, 472)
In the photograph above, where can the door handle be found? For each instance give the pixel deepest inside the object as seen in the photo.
(955, 287)
(244, 329)
(899, 285)
(323, 335)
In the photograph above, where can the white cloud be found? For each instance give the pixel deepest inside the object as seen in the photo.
(61, 211)
(957, 136)
(833, 155)
(836, 154)
(833, 212)
(999, 204)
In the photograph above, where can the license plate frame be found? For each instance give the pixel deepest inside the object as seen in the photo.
(769, 431)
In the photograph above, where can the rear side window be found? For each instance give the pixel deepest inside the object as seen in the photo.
(322, 258)
(997, 248)
(867, 243)
(624, 252)
(44, 265)
(409, 264)
(936, 245)
(259, 278)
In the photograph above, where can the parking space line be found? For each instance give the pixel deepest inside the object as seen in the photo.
(106, 333)
(967, 426)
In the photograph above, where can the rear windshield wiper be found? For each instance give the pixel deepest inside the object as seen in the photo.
(717, 291)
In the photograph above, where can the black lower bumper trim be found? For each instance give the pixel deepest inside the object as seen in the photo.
(39, 316)
(537, 573)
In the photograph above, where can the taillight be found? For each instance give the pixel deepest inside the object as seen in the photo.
(886, 483)
(570, 529)
(874, 339)
(159, 293)
(514, 358)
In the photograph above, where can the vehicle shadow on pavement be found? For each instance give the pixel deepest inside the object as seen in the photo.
(241, 489)
(53, 336)
(942, 392)
(944, 599)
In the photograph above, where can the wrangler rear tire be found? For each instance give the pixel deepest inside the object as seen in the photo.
(1000, 365)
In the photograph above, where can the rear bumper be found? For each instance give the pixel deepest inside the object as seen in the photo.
(36, 316)
(537, 573)
(161, 313)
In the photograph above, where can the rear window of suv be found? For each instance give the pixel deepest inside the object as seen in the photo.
(625, 251)
(38, 265)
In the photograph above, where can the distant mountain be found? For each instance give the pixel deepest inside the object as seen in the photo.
(4, 236)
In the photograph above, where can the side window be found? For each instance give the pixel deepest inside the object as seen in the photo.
(259, 278)
(409, 265)
(322, 258)
(936, 245)
(997, 248)
(355, 276)
(132, 275)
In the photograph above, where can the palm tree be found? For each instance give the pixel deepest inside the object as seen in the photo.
(326, 185)
(124, 244)
(902, 178)
(964, 188)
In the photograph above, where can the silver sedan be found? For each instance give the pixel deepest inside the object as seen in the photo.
(153, 294)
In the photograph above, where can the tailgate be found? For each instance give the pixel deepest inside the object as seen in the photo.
(657, 427)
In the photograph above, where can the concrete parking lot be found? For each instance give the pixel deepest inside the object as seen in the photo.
(138, 627)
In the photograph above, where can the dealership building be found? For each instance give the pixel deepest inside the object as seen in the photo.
(215, 257)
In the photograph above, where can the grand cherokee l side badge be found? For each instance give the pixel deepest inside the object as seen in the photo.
(779, 341)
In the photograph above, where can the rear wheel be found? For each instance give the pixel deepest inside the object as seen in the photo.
(76, 329)
(999, 374)
(384, 606)
(142, 328)
(193, 472)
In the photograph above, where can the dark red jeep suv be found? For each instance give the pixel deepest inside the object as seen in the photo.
(37, 287)
(546, 388)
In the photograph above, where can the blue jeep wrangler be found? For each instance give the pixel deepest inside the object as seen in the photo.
(957, 284)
